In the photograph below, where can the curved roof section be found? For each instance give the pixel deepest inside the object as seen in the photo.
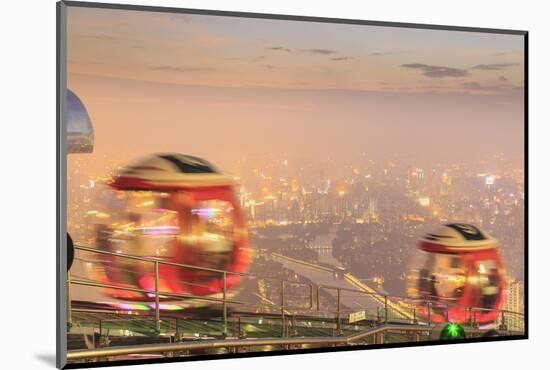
(456, 237)
(169, 171)
(80, 132)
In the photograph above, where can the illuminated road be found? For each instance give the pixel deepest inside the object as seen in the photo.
(354, 301)
(324, 276)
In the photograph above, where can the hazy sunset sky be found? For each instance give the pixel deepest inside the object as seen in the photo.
(223, 87)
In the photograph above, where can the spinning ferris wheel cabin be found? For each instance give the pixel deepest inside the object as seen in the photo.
(458, 267)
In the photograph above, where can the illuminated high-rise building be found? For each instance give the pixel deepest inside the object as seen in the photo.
(446, 182)
(514, 302)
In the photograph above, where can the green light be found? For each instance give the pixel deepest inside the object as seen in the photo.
(452, 330)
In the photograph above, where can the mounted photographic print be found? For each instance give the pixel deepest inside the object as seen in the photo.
(236, 184)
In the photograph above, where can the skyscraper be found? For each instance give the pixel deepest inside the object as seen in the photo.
(514, 303)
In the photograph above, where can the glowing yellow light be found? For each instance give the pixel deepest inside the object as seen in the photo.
(424, 202)
(145, 204)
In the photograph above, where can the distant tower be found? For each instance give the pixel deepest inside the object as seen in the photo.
(446, 182)
(373, 210)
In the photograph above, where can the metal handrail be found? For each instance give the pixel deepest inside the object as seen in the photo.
(322, 286)
(381, 298)
(231, 343)
(235, 343)
(146, 291)
(176, 264)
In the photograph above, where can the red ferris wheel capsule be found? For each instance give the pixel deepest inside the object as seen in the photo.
(174, 208)
(458, 273)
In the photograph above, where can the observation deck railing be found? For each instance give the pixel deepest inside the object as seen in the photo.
(389, 310)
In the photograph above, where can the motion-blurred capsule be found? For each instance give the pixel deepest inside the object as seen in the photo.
(174, 208)
(459, 273)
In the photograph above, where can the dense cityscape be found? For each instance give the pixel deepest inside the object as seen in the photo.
(366, 217)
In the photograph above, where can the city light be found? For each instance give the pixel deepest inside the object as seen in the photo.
(424, 201)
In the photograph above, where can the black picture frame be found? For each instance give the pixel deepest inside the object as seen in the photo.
(61, 194)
